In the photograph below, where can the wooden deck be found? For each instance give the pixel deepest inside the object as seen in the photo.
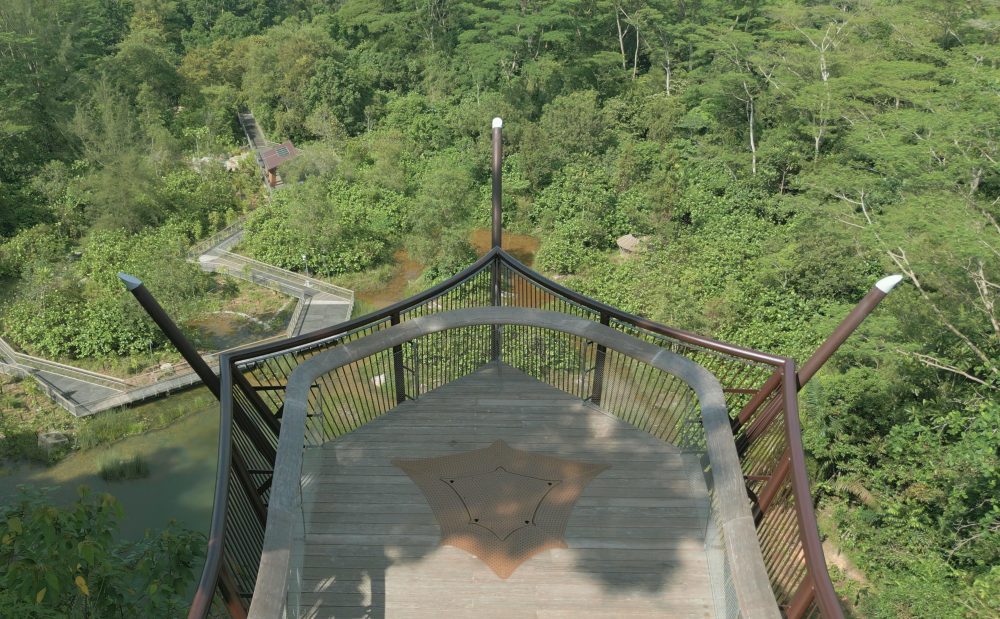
(636, 537)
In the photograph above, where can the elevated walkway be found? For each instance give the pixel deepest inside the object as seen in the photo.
(705, 510)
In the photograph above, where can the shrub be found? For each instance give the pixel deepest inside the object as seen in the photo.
(66, 561)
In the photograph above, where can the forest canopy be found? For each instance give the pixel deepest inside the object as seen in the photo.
(779, 156)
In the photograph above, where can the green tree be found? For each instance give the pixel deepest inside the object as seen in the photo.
(66, 562)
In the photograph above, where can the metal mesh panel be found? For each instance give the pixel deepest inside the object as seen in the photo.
(519, 291)
(558, 359)
(244, 539)
(653, 401)
(781, 546)
(357, 393)
(437, 359)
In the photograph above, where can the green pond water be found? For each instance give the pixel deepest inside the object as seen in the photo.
(181, 483)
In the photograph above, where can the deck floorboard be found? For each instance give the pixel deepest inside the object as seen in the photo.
(636, 535)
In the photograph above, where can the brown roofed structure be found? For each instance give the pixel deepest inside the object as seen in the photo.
(275, 156)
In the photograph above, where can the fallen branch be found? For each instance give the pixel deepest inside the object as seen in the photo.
(930, 361)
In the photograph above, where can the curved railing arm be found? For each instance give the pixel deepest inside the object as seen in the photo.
(638, 321)
(846, 327)
(818, 577)
(210, 575)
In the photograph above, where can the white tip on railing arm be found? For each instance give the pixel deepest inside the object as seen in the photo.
(131, 282)
(497, 122)
(888, 283)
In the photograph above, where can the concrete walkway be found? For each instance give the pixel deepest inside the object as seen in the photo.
(76, 390)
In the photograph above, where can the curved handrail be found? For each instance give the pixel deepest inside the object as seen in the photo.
(202, 602)
(823, 590)
(501, 255)
(750, 578)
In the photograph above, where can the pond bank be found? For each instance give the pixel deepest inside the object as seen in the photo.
(182, 460)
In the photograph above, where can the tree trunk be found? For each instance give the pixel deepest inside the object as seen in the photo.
(621, 36)
(666, 68)
(635, 57)
(750, 119)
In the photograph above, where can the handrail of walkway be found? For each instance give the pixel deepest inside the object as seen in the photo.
(62, 369)
(313, 337)
(750, 579)
(297, 279)
(638, 321)
(205, 245)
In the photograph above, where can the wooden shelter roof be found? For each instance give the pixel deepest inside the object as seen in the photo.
(276, 155)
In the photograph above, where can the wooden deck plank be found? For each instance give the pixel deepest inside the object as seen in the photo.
(636, 535)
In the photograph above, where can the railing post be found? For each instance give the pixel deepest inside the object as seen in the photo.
(163, 321)
(496, 345)
(847, 327)
(397, 364)
(242, 474)
(802, 599)
(844, 330)
(497, 174)
(200, 367)
(774, 482)
(496, 300)
(231, 594)
(597, 388)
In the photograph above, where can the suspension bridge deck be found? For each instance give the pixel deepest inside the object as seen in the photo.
(636, 537)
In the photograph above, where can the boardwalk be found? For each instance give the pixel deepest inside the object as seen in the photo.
(259, 144)
(83, 393)
(320, 304)
(636, 536)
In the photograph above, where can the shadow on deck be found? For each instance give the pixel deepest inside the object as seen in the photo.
(636, 537)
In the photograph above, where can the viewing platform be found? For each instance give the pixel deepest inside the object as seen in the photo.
(502, 446)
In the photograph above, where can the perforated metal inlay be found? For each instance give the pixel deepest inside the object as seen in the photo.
(501, 504)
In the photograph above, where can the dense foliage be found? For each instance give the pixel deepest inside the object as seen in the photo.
(779, 156)
(66, 562)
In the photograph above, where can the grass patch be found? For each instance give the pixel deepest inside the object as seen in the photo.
(362, 307)
(117, 424)
(258, 301)
(25, 412)
(116, 468)
(365, 281)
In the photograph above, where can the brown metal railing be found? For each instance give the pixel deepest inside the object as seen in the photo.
(760, 398)
(648, 389)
